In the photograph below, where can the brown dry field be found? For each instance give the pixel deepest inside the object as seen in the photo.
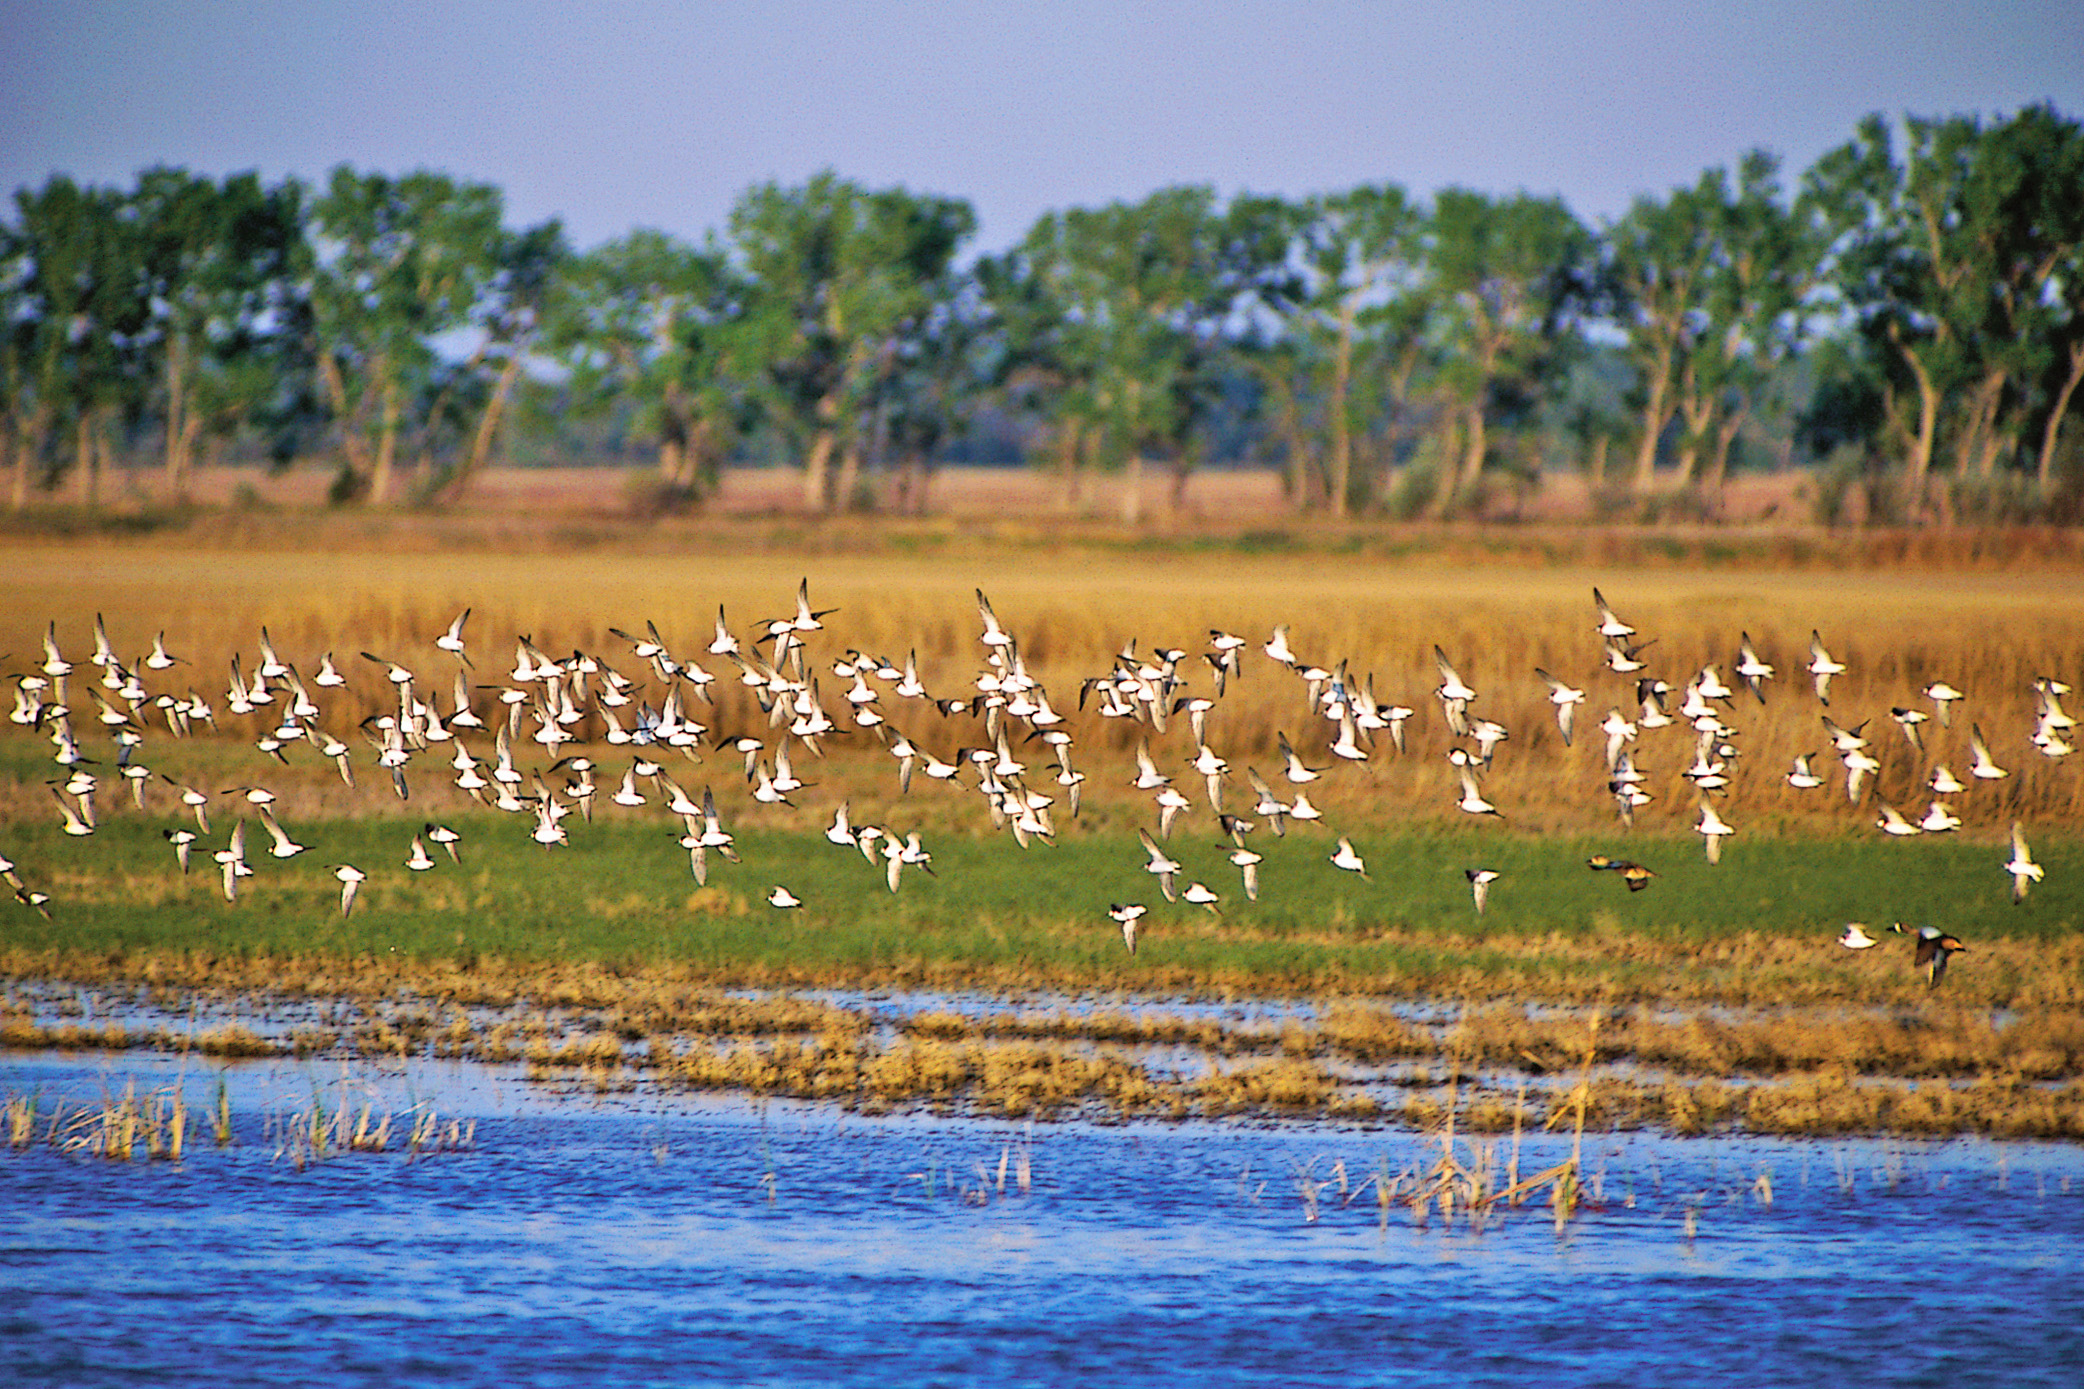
(1220, 500)
(556, 556)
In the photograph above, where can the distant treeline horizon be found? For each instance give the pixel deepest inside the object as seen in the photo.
(1907, 312)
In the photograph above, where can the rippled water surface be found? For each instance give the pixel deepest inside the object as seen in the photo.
(585, 1241)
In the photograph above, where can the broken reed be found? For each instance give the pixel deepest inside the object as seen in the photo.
(319, 1131)
(121, 1127)
(1464, 1176)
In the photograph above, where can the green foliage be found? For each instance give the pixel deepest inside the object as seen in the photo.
(1932, 275)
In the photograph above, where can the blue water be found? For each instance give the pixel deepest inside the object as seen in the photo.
(608, 1241)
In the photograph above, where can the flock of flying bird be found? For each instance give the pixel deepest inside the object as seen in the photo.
(583, 698)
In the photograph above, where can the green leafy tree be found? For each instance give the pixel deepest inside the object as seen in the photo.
(1507, 273)
(2025, 196)
(1030, 361)
(1359, 254)
(839, 275)
(512, 316)
(1658, 257)
(1761, 272)
(1949, 258)
(655, 323)
(1148, 291)
(79, 289)
(400, 261)
(223, 266)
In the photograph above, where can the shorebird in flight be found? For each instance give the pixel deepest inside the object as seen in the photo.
(1982, 767)
(1634, 874)
(1944, 697)
(1294, 770)
(2021, 866)
(1160, 865)
(1821, 667)
(451, 641)
(1566, 701)
(1472, 800)
(1751, 670)
(1609, 625)
(995, 636)
(1480, 880)
(1127, 915)
(283, 846)
(1713, 830)
(1455, 695)
(1934, 948)
(448, 839)
(350, 879)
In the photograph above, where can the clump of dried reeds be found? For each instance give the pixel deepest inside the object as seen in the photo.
(319, 1131)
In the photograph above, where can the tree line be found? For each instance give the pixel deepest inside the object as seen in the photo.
(1910, 307)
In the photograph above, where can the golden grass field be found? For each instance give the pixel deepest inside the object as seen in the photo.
(1897, 629)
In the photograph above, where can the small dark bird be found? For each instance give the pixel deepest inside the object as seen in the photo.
(1634, 874)
(1934, 948)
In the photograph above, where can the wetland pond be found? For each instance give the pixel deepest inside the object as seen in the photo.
(631, 1239)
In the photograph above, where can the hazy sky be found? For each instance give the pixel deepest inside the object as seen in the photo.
(622, 115)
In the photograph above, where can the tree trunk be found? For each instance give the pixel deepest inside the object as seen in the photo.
(672, 458)
(1341, 433)
(191, 430)
(83, 457)
(1448, 466)
(1975, 446)
(1656, 411)
(1182, 472)
(180, 434)
(1595, 467)
(351, 441)
(1726, 431)
(1132, 498)
(28, 446)
(849, 483)
(488, 425)
(1479, 444)
(1697, 408)
(1921, 443)
(704, 458)
(386, 443)
(2045, 472)
(817, 472)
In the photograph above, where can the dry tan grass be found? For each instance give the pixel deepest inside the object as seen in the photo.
(1991, 634)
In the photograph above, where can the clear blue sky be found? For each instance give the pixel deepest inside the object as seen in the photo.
(615, 116)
